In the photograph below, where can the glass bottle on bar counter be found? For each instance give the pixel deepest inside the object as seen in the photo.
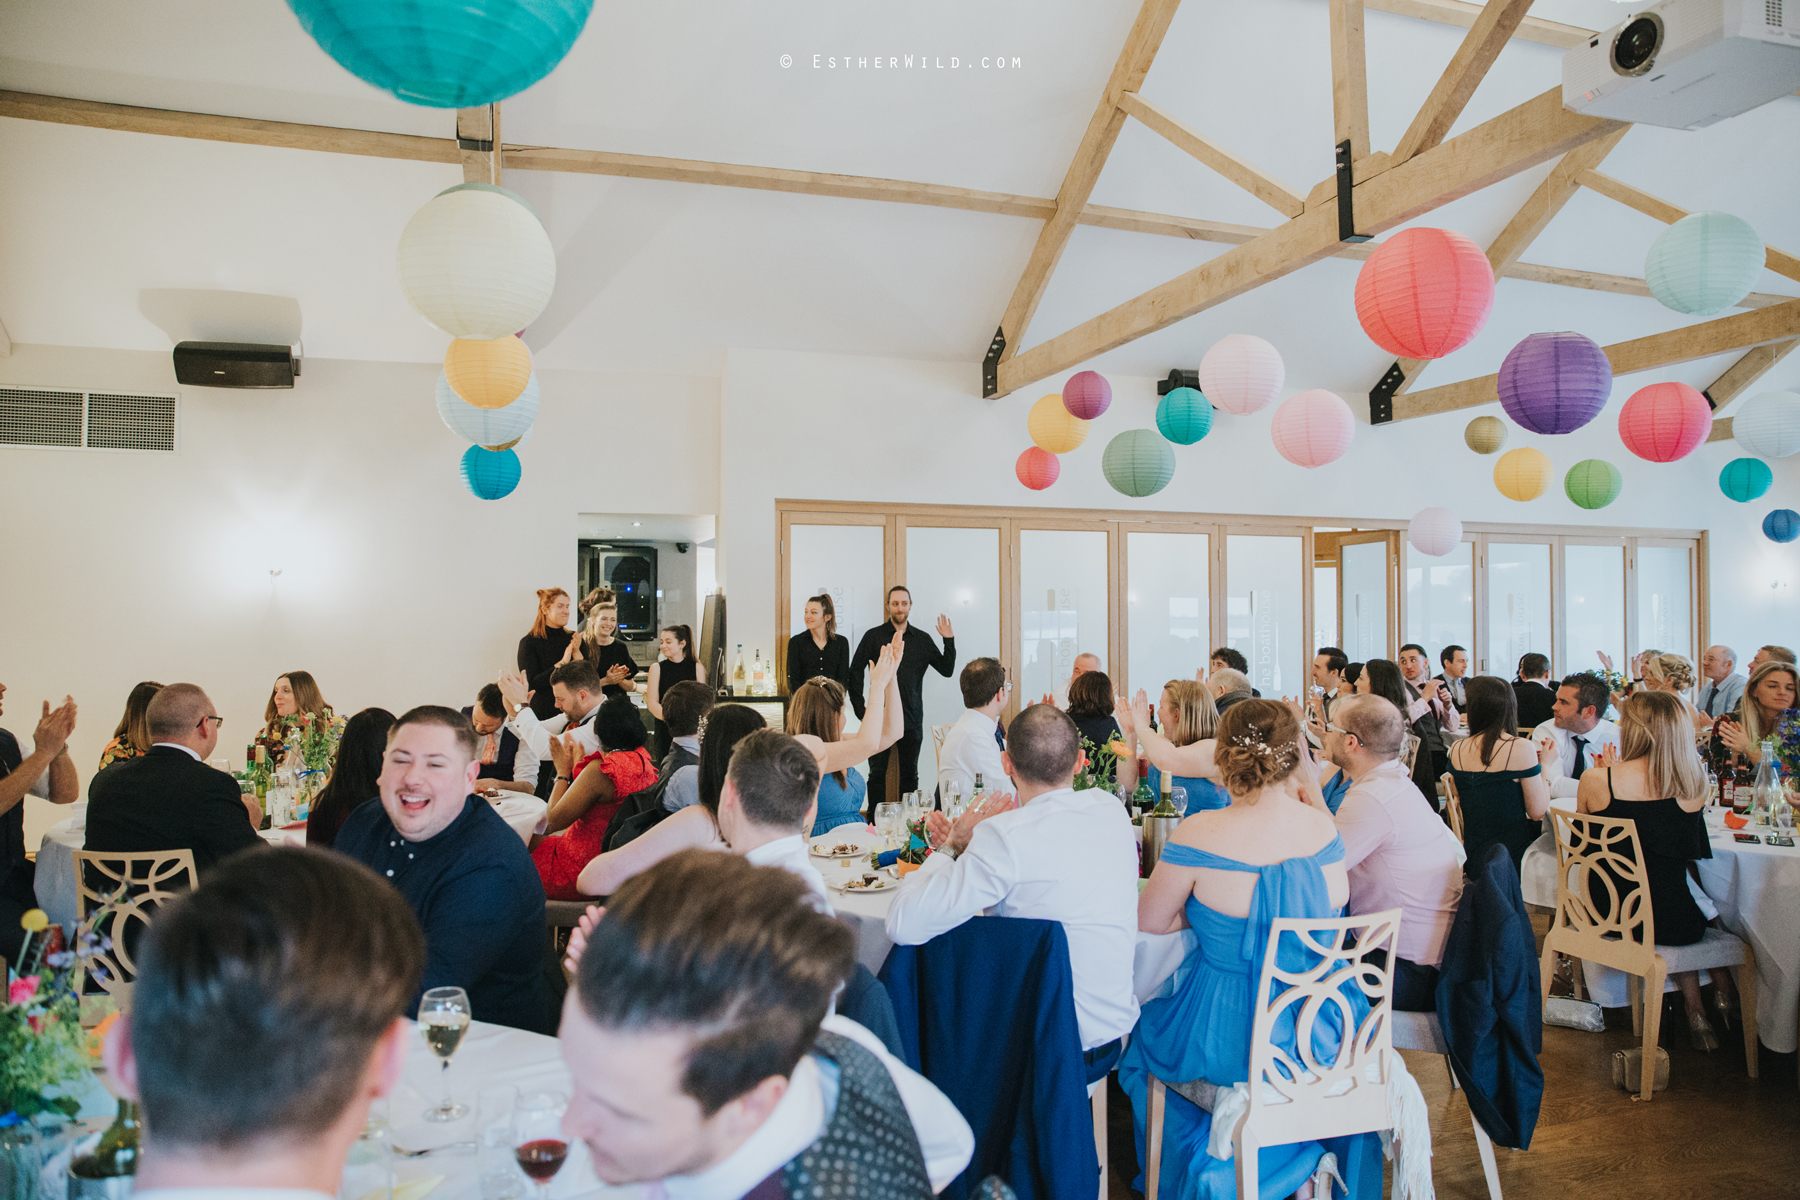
(740, 680)
(759, 677)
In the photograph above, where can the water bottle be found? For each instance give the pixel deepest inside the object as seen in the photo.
(1765, 794)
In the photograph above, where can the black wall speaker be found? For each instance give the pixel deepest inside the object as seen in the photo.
(235, 365)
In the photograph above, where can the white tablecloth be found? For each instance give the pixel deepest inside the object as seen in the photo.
(58, 897)
(1757, 891)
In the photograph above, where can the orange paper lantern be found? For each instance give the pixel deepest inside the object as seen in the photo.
(488, 374)
(1424, 293)
(1037, 469)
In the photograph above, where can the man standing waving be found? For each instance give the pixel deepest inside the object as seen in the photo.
(919, 653)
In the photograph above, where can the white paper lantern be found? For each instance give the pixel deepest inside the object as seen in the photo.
(1434, 531)
(1768, 425)
(488, 427)
(476, 262)
(1241, 374)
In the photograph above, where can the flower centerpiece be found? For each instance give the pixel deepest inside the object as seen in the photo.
(311, 741)
(1099, 765)
(1787, 749)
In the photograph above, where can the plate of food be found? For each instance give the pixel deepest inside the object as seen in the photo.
(868, 881)
(830, 849)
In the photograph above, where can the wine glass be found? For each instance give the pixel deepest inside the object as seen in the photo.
(884, 818)
(444, 1018)
(1178, 798)
(537, 1137)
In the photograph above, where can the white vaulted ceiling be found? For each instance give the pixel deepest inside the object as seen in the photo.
(660, 276)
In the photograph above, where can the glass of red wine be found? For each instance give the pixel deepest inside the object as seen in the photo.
(538, 1140)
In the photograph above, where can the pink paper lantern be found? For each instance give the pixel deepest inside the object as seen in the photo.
(1037, 469)
(1424, 293)
(1241, 374)
(1086, 395)
(1664, 422)
(1312, 428)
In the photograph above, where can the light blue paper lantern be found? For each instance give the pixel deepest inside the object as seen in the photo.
(1138, 462)
(488, 426)
(490, 474)
(1704, 263)
(1782, 525)
(1744, 479)
(1184, 416)
(446, 53)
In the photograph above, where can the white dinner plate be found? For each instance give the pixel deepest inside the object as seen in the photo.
(823, 850)
(883, 884)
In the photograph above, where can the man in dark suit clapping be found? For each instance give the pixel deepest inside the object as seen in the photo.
(170, 799)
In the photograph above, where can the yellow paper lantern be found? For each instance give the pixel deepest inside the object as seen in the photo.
(1054, 428)
(488, 374)
(1523, 474)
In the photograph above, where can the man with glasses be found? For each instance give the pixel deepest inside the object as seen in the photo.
(170, 799)
(973, 745)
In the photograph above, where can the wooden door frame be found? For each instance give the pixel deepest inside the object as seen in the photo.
(1391, 628)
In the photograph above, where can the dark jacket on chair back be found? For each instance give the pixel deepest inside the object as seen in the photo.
(168, 800)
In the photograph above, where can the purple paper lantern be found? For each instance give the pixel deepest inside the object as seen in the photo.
(1555, 382)
(1087, 395)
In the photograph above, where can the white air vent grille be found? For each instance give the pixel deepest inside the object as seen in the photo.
(1772, 13)
(91, 420)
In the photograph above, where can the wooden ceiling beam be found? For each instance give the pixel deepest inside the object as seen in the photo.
(1489, 34)
(1349, 77)
(1265, 187)
(1778, 261)
(478, 140)
(1745, 371)
(1741, 331)
(1452, 12)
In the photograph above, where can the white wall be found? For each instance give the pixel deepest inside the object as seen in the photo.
(397, 586)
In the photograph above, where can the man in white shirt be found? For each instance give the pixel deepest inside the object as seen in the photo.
(1576, 731)
(1723, 687)
(703, 1060)
(1057, 855)
(576, 687)
(1081, 666)
(507, 763)
(266, 1015)
(972, 747)
(767, 803)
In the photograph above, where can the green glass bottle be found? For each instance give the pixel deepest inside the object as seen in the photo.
(1142, 800)
(117, 1153)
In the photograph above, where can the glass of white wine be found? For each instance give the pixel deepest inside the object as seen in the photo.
(444, 1018)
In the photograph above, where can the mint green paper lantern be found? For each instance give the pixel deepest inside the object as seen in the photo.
(1593, 483)
(1704, 263)
(1744, 479)
(1184, 416)
(1138, 462)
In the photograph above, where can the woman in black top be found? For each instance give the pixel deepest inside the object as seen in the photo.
(607, 653)
(543, 648)
(677, 665)
(1382, 677)
(1091, 708)
(820, 650)
(353, 775)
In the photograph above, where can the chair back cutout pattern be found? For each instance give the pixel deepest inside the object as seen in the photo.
(1600, 856)
(165, 875)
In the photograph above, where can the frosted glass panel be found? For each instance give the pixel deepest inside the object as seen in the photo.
(1518, 604)
(955, 572)
(1440, 603)
(1263, 578)
(1170, 612)
(1325, 627)
(1665, 615)
(842, 561)
(1364, 614)
(1062, 605)
(1594, 601)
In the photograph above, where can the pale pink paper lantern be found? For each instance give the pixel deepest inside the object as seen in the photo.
(1434, 531)
(1241, 374)
(1664, 422)
(1312, 428)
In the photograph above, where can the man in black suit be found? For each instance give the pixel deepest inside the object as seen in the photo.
(170, 799)
(1536, 697)
(921, 654)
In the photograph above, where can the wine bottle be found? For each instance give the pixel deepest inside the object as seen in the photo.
(261, 776)
(117, 1153)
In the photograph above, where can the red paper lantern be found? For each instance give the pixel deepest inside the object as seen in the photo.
(1424, 293)
(1664, 422)
(1037, 469)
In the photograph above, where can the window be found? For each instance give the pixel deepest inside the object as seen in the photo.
(1168, 600)
(1264, 604)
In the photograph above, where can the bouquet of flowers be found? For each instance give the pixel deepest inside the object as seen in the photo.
(1787, 746)
(313, 738)
(42, 1043)
(918, 846)
(1100, 765)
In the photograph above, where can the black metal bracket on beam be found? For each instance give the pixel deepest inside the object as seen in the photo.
(990, 366)
(1381, 396)
(1346, 202)
(1178, 379)
(487, 147)
(1710, 402)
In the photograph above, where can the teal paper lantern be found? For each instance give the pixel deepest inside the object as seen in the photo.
(490, 474)
(1184, 416)
(1744, 479)
(445, 53)
(1593, 483)
(1782, 525)
(1704, 263)
(1138, 462)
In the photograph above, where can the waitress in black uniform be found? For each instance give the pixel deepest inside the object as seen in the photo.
(818, 649)
(597, 643)
(677, 665)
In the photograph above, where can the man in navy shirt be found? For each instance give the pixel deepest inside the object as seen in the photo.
(463, 869)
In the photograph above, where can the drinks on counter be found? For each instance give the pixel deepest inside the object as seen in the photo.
(740, 678)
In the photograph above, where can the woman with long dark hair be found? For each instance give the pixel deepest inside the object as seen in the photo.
(1382, 677)
(588, 792)
(542, 648)
(132, 738)
(1499, 776)
(353, 775)
(818, 651)
(677, 665)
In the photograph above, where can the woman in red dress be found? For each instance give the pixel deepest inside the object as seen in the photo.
(586, 797)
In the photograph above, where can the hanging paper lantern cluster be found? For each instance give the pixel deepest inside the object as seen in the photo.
(1484, 435)
(444, 54)
(1086, 395)
(1704, 263)
(1138, 462)
(1769, 424)
(1037, 469)
(1522, 474)
(1053, 427)
(1555, 382)
(1745, 479)
(1312, 428)
(1241, 373)
(476, 262)
(1434, 531)
(1424, 293)
(489, 427)
(1782, 525)
(488, 374)
(1184, 416)
(1593, 483)
(1664, 422)
(490, 474)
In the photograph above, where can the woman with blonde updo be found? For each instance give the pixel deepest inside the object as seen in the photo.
(1674, 674)
(1227, 874)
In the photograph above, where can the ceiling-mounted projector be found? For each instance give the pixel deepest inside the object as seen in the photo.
(1685, 64)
